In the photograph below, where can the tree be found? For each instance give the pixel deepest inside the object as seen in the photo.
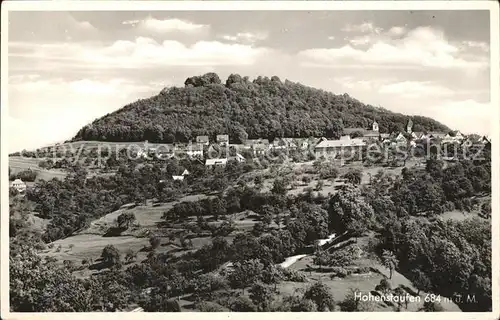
(258, 229)
(384, 286)
(261, 296)
(40, 286)
(245, 273)
(352, 303)
(154, 242)
(390, 261)
(208, 306)
(354, 176)
(242, 304)
(302, 305)
(224, 229)
(321, 295)
(159, 302)
(401, 294)
(130, 255)
(433, 307)
(420, 280)
(279, 186)
(321, 258)
(348, 211)
(111, 256)
(125, 219)
(209, 282)
(319, 185)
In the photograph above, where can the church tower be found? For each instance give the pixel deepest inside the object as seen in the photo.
(375, 126)
(409, 126)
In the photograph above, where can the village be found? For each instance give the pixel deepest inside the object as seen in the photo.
(353, 141)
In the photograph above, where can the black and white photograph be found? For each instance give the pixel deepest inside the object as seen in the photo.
(285, 157)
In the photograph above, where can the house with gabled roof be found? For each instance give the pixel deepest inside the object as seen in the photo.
(238, 157)
(332, 148)
(417, 135)
(19, 185)
(453, 137)
(486, 140)
(436, 135)
(278, 144)
(202, 140)
(222, 139)
(194, 150)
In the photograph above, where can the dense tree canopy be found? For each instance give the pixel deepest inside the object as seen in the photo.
(266, 108)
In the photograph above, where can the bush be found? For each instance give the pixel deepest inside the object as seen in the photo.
(207, 306)
(242, 304)
(294, 276)
(339, 272)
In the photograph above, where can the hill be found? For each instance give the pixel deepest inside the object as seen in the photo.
(262, 108)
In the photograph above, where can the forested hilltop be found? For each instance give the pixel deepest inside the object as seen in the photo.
(262, 108)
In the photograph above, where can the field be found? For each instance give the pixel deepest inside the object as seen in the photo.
(18, 164)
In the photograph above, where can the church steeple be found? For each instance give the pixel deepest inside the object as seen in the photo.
(409, 126)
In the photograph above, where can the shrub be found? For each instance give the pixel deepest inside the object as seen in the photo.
(208, 306)
(242, 304)
(339, 272)
(294, 276)
(306, 179)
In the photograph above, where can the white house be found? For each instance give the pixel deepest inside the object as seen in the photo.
(400, 138)
(238, 157)
(185, 172)
(142, 154)
(216, 162)
(19, 185)
(332, 148)
(222, 139)
(194, 150)
(203, 140)
(180, 178)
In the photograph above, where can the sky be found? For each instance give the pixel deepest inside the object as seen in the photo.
(68, 68)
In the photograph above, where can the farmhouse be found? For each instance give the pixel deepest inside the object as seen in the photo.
(332, 148)
(202, 140)
(222, 139)
(238, 157)
(400, 138)
(194, 150)
(258, 146)
(180, 178)
(278, 144)
(19, 185)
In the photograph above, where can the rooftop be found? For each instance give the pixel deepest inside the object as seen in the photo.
(341, 143)
(210, 162)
